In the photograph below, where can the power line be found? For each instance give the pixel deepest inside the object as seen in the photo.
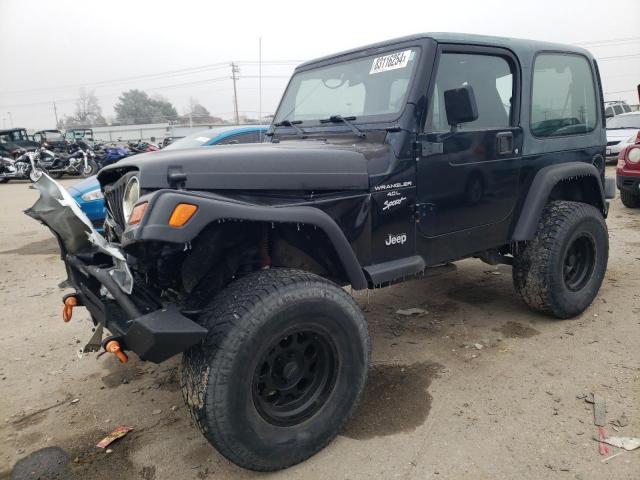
(164, 87)
(611, 40)
(120, 80)
(616, 57)
(620, 91)
(165, 74)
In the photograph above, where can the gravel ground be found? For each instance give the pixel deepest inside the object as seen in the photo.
(478, 387)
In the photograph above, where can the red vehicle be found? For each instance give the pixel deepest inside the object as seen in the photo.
(628, 174)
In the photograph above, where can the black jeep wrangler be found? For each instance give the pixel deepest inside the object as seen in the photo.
(383, 162)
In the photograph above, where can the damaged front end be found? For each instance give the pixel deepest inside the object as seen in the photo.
(98, 271)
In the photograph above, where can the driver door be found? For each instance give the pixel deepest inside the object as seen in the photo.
(468, 174)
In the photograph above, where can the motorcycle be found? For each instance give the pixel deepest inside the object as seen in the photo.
(78, 161)
(107, 155)
(141, 146)
(11, 169)
(19, 168)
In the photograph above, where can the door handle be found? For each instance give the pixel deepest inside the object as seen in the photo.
(504, 143)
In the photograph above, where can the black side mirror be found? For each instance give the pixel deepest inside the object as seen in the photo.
(460, 105)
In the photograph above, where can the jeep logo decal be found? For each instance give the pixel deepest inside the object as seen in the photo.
(398, 239)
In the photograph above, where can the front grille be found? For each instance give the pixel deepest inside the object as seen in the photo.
(615, 142)
(113, 194)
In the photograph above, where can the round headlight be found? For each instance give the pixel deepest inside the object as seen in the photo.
(634, 155)
(92, 195)
(130, 197)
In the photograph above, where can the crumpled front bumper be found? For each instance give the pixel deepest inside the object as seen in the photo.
(104, 284)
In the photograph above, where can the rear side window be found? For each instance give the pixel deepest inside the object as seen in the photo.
(563, 98)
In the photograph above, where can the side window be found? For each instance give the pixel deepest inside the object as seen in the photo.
(492, 80)
(563, 99)
(249, 137)
(618, 109)
(608, 112)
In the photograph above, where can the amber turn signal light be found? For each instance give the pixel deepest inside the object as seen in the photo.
(137, 213)
(182, 214)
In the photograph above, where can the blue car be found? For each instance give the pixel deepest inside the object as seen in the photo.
(87, 192)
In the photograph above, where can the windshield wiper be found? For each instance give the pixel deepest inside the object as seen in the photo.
(289, 123)
(346, 121)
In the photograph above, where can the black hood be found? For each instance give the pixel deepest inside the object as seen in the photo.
(291, 165)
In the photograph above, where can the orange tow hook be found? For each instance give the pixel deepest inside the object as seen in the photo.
(114, 347)
(67, 310)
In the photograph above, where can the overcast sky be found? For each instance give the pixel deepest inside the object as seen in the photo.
(50, 49)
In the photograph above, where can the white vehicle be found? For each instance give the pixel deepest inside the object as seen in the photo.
(622, 130)
(615, 107)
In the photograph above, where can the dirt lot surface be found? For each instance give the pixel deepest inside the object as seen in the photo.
(478, 387)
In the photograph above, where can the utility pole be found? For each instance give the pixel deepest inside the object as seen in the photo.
(260, 83)
(55, 112)
(235, 70)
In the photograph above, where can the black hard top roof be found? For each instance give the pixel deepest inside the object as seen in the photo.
(519, 46)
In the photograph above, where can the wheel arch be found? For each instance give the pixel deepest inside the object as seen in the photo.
(212, 211)
(572, 181)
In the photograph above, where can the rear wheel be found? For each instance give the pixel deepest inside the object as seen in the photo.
(281, 370)
(630, 199)
(560, 271)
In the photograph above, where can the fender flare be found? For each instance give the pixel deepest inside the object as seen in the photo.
(542, 185)
(211, 208)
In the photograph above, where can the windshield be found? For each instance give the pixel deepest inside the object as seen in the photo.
(53, 136)
(624, 121)
(372, 88)
(15, 136)
(194, 140)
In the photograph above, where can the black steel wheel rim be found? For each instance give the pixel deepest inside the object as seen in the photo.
(579, 262)
(295, 376)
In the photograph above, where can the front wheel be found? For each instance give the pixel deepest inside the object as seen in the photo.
(90, 169)
(630, 199)
(281, 370)
(559, 272)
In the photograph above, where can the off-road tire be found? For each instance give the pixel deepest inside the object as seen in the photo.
(630, 199)
(218, 375)
(541, 269)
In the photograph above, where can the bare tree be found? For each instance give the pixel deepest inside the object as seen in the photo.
(197, 113)
(88, 112)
